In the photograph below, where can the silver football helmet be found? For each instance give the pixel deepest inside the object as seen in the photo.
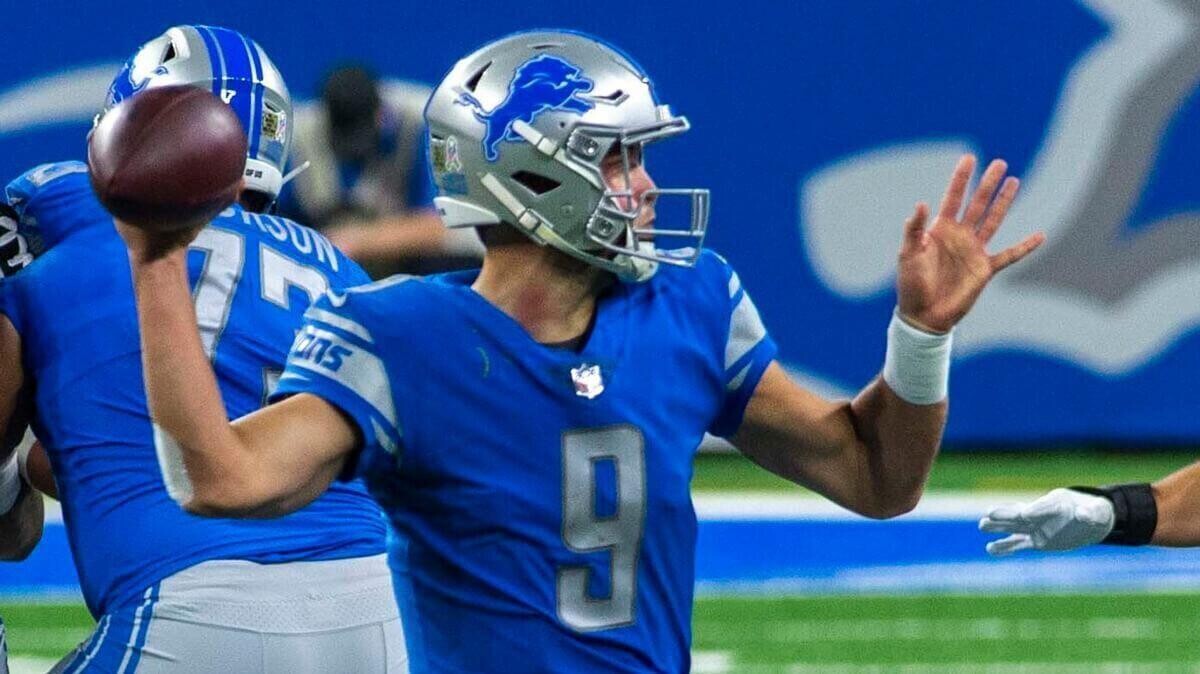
(518, 131)
(234, 68)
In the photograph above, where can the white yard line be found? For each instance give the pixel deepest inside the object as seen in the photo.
(19, 664)
(712, 662)
(727, 506)
(724, 506)
(1108, 667)
(964, 629)
(723, 662)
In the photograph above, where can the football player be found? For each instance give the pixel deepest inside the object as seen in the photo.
(171, 591)
(21, 508)
(529, 428)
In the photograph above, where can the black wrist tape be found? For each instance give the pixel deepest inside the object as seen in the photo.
(1135, 512)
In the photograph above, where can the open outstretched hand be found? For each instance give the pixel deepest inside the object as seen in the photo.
(943, 268)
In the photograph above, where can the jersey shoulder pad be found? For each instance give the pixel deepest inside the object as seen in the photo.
(709, 282)
(403, 288)
(46, 179)
(53, 200)
(296, 241)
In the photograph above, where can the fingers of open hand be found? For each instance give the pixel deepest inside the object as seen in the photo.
(984, 193)
(1016, 519)
(999, 209)
(1007, 546)
(953, 198)
(914, 228)
(1006, 519)
(1016, 253)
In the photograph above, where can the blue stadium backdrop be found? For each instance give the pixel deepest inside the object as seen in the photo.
(817, 125)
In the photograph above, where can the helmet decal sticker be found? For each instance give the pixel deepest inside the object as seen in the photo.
(545, 82)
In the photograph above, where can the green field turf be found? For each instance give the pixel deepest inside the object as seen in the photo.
(1092, 633)
(1110, 634)
(990, 471)
(43, 633)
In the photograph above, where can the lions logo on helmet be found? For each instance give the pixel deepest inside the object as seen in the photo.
(541, 111)
(235, 69)
(543, 83)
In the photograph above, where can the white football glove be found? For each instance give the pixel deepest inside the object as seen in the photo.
(1064, 519)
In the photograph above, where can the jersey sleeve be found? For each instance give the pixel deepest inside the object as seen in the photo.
(51, 200)
(747, 352)
(335, 358)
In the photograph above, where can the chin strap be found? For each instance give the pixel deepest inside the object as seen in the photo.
(291, 175)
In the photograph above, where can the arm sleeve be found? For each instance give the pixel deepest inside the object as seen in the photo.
(334, 358)
(747, 352)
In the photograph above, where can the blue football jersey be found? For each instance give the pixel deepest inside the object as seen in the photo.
(539, 496)
(253, 277)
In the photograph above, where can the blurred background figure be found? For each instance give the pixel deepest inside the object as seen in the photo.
(367, 185)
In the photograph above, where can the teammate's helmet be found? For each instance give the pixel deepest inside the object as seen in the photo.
(518, 131)
(234, 68)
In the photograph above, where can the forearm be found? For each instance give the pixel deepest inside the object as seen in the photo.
(898, 442)
(871, 455)
(38, 470)
(21, 527)
(1177, 498)
(401, 237)
(181, 388)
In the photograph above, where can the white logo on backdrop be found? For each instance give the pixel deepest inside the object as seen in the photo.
(1096, 294)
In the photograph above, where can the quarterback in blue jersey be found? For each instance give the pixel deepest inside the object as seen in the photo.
(529, 428)
(171, 591)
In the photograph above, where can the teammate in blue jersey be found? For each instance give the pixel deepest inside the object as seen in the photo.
(529, 428)
(310, 592)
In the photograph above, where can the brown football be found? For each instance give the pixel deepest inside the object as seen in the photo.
(168, 158)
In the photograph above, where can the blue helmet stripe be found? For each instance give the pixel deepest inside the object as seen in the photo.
(216, 62)
(237, 77)
(256, 96)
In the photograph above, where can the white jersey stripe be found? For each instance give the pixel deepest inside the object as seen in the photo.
(101, 632)
(340, 322)
(746, 330)
(136, 631)
(359, 370)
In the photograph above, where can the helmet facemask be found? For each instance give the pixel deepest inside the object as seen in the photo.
(613, 225)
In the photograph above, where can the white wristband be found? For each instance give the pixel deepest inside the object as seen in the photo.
(917, 365)
(10, 484)
(23, 451)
